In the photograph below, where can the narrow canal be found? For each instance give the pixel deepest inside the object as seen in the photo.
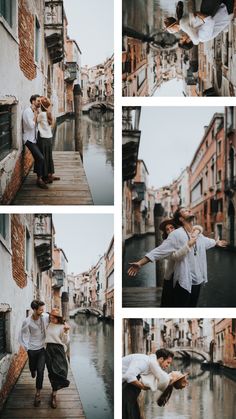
(209, 395)
(220, 291)
(97, 135)
(92, 359)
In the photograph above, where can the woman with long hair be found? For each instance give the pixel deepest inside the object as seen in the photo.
(44, 142)
(57, 338)
(200, 27)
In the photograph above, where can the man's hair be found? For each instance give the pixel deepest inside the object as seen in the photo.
(186, 45)
(33, 98)
(177, 215)
(36, 304)
(164, 353)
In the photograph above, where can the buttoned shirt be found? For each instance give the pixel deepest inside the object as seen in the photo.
(29, 126)
(141, 364)
(191, 269)
(33, 332)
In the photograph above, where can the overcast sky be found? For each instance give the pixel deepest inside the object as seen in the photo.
(90, 23)
(169, 138)
(83, 237)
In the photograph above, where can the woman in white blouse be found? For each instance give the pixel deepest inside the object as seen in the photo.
(44, 142)
(57, 338)
(200, 27)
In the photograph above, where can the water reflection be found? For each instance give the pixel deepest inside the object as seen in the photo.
(98, 152)
(209, 395)
(92, 358)
(220, 291)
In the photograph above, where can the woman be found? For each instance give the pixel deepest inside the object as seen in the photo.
(167, 226)
(44, 120)
(200, 27)
(57, 337)
(178, 381)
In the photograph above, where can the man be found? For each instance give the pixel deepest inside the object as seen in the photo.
(135, 365)
(191, 271)
(30, 133)
(32, 338)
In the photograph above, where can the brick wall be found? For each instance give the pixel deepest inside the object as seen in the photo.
(21, 169)
(16, 365)
(18, 255)
(26, 41)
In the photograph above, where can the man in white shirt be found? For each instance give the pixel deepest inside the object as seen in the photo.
(32, 339)
(30, 132)
(135, 365)
(189, 272)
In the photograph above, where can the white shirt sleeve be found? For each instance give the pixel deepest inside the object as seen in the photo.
(28, 118)
(162, 377)
(65, 337)
(181, 253)
(24, 335)
(191, 32)
(165, 249)
(209, 243)
(132, 372)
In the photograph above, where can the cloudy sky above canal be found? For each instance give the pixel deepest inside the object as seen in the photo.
(83, 237)
(169, 138)
(90, 23)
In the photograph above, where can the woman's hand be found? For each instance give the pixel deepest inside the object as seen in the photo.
(66, 327)
(134, 268)
(192, 241)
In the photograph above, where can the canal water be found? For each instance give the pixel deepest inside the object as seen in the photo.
(92, 363)
(209, 395)
(220, 291)
(97, 134)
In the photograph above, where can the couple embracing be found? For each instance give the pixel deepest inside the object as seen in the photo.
(45, 338)
(37, 136)
(184, 247)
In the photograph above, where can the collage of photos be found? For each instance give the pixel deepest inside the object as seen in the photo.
(117, 209)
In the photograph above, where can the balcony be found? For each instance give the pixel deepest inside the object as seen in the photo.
(43, 240)
(71, 72)
(219, 186)
(54, 29)
(230, 185)
(58, 278)
(139, 191)
(146, 327)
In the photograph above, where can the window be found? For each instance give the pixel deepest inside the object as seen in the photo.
(3, 342)
(27, 250)
(219, 175)
(6, 10)
(37, 40)
(219, 147)
(5, 130)
(5, 229)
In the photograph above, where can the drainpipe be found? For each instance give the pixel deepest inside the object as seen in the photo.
(77, 92)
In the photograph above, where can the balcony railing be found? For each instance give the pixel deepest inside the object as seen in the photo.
(71, 71)
(43, 240)
(58, 278)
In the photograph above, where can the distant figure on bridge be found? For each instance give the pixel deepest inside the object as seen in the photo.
(200, 27)
(190, 272)
(32, 339)
(147, 372)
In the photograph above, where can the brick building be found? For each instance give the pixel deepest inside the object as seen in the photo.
(230, 174)
(109, 259)
(225, 342)
(207, 179)
(134, 67)
(25, 253)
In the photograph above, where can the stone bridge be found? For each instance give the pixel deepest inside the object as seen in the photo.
(102, 105)
(188, 352)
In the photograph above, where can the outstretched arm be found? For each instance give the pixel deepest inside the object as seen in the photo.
(136, 266)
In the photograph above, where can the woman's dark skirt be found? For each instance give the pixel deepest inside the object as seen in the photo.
(167, 297)
(130, 407)
(45, 146)
(57, 366)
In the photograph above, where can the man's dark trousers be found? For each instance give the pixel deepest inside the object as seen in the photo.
(37, 361)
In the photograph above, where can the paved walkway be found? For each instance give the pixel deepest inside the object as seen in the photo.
(72, 189)
(141, 297)
(20, 402)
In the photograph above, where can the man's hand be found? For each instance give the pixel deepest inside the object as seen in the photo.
(221, 243)
(134, 268)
